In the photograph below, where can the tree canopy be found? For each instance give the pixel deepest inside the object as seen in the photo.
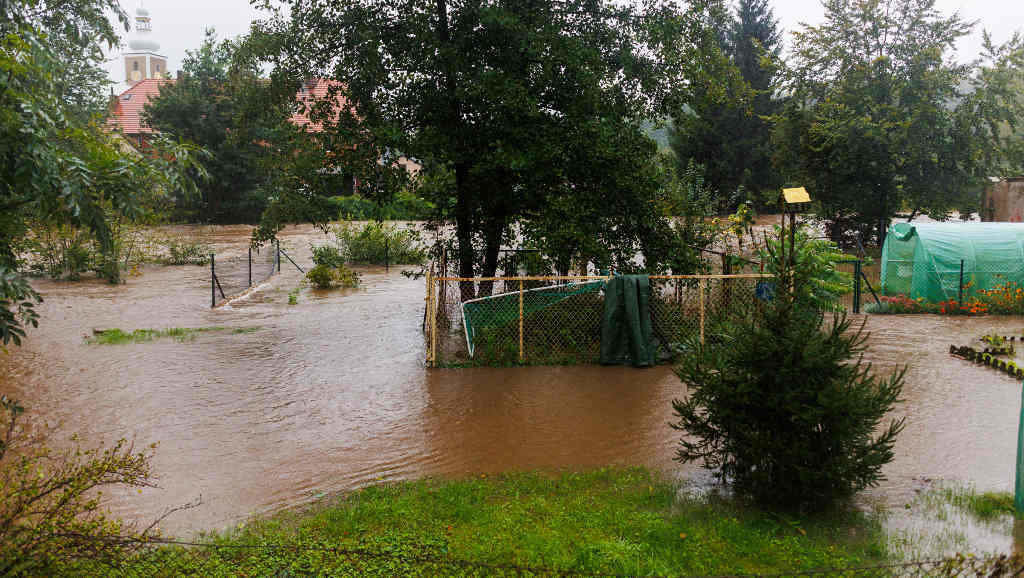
(221, 104)
(515, 105)
(729, 133)
(883, 119)
(57, 162)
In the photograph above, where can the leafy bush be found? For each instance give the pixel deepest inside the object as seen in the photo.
(818, 257)
(328, 255)
(326, 277)
(50, 512)
(183, 252)
(59, 251)
(780, 405)
(405, 207)
(379, 243)
(17, 307)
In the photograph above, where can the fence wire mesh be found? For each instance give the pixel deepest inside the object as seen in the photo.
(557, 320)
(233, 275)
(865, 284)
(168, 558)
(960, 281)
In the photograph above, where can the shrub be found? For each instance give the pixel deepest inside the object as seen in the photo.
(818, 257)
(328, 255)
(59, 251)
(325, 277)
(183, 252)
(780, 405)
(405, 207)
(50, 512)
(379, 243)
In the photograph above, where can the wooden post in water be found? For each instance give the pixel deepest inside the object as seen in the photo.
(521, 352)
(701, 286)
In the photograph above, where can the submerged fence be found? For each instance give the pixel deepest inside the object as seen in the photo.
(232, 276)
(553, 320)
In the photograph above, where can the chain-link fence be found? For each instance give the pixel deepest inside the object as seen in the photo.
(168, 558)
(232, 276)
(555, 320)
(957, 280)
(865, 284)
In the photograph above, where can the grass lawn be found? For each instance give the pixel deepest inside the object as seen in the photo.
(181, 334)
(624, 521)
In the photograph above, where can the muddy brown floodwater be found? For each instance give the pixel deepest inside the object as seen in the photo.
(331, 393)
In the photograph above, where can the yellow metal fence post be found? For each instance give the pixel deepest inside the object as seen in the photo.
(702, 285)
(433, 327)
(521, 352)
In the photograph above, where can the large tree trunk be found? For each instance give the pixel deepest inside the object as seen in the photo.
(463, 191)
(492, 246)
(464, 230)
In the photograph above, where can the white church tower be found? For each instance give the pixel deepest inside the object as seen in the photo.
(141, 60)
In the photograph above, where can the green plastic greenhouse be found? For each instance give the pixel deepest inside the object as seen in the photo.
(924, 260)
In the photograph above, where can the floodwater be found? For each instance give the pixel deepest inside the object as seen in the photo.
(331, 394)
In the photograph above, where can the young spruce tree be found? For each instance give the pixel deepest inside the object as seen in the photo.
(781, 405)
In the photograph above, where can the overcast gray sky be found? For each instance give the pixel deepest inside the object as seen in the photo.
(179, 24)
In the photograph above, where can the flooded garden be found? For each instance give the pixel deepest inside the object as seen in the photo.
(272, 402)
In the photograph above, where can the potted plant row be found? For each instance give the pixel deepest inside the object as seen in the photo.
(987, 358)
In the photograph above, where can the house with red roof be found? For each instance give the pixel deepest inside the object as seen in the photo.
(126, 111)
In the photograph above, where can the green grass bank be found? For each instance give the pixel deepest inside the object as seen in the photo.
(622, 521)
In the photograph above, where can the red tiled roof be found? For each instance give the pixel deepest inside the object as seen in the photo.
(311, 93)
(126, 111)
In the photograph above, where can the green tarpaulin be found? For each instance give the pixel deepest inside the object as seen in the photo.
(923, 260)
(627, 335)
(497, 311)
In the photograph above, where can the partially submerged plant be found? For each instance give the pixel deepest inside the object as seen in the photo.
(326, 277)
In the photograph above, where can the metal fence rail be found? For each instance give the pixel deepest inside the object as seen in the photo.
(232, 276)
(552, 320)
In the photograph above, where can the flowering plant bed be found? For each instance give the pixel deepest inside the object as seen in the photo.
(1005, 299)
(901, 304)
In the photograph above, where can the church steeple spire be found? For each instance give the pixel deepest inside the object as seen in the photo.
(142, 60)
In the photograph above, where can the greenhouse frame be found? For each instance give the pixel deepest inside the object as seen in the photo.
(928, 260)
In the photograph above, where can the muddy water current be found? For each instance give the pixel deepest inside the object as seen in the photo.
(331, 393)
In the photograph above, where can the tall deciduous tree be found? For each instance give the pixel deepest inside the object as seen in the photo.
(500, 96)
(220, 105)
(56, 162)
(729, 132)
(884, 119)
